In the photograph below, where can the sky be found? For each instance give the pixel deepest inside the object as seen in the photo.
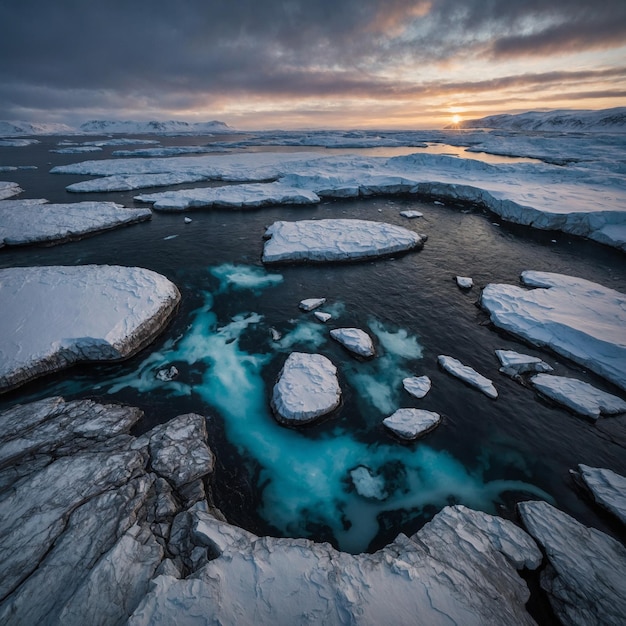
(264, 64)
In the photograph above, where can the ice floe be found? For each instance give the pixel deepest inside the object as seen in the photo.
(307, 389)
(464, 282)
(76, 149)
(467, 374)
(335, 240)
(576, 318)
(355, 340)
(607, 488)
(412, 423)
(584, 577)
(577, 395)
(417, 386)
(56, 316)
(514, 363)
(322, 316)
(35, 221)
(309, 304)
(367, 484)
(411, 214)
(8, 190)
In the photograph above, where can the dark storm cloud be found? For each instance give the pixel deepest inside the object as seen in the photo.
(89, 54)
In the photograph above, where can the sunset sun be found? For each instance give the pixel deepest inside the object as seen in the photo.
(456, 119)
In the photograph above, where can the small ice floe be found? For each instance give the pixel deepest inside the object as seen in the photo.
(411, 214)
(367, 484)
(439, 203)
(355, 340)
(8, 190)
(412, 423)
(607, 488)
(417, 386)
(514, 363)
(467, 374)
(188, 220)
(275, 335)
(307, 388)
(311, 303)
(167, 374)
(322, 317)
(578, 396)
(169, 237)
(464, 282)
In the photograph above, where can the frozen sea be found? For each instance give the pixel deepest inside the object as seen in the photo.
(487, 454)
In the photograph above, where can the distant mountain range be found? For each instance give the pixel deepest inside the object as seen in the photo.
(606, 120)
(106, 127)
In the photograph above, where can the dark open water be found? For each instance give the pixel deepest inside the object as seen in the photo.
(270, 479)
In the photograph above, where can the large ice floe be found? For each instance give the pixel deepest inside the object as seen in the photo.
(25, 222)
(412, 423)
(607, 488)
(576, 318)
(53, 317)
(336, 240)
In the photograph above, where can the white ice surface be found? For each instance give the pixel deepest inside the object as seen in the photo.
(335, 240)
(514, 363)
(55, 316)
(579, 396)
(607, 487)
(411, 423)
(308, 304)
(33, 221)
(367, 484)
(467, 374)
(355, 340)
(464, 282)
(417, 386)
(576, 318)
(8, 190)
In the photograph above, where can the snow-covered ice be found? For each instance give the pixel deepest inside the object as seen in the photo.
(412, 423)
(607, 488)
(579, 319)
(35, 221)
(308, 304)
(335, 240)
(514, 363)
(322, 316)
(8, 190)
(411, 214)
(579, 396)
(53, 317)
(368, 485)
(464, 282)
(417, 386)
(467, 374)
(355, 340)
(307, 389)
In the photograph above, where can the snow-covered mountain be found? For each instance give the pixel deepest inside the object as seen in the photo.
(606, 120)
(153, 127)
(12, 129)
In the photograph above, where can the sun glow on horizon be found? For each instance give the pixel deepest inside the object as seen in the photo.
(456, 119)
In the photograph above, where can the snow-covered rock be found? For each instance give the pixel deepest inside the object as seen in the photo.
(335, 240)
(584, 578)
(153, 127)
(167, 374)
(576, 318)
(412, 423)
(464, 282)
(8, 190)
(579, 396)
(34, 221)
(13, 129)
(355, 340)
(56, 316)
(515, 363)
(311, 303)
(307, 389)
(417, 386)
(607, 488)
(467, 374)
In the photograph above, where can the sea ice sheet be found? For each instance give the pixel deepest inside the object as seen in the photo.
(467, 374)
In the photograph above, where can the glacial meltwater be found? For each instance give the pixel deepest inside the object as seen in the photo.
(238, 321)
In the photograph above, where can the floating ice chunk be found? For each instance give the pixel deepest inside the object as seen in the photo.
(167, 374)
(412, 423)
(514, 363)
(576, 318)
(275, 335)
(335, 240)
(26, 221)
(311, 303)
(607, 488)
(584, 578)
(242, 277)
(322, 317)
(417, 386)
(76, 149)
(579, 396)
(307, 388)
(8, 190)
(367, 484)
(128, 182)
(89, 313)
(411, 214)
(188, 220)
(355, 340)
(464, 282)
(467, 374)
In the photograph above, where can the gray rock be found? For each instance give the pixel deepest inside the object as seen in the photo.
(584, 578)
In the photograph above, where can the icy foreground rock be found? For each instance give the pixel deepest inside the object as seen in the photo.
(34, 221)
(467, 374)
(55, 316)
(412, 423)
(355, 340)
(335, 240)
(576, 318)
(607, 488)
(579, 396)
(584, 578)
(307, 388)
